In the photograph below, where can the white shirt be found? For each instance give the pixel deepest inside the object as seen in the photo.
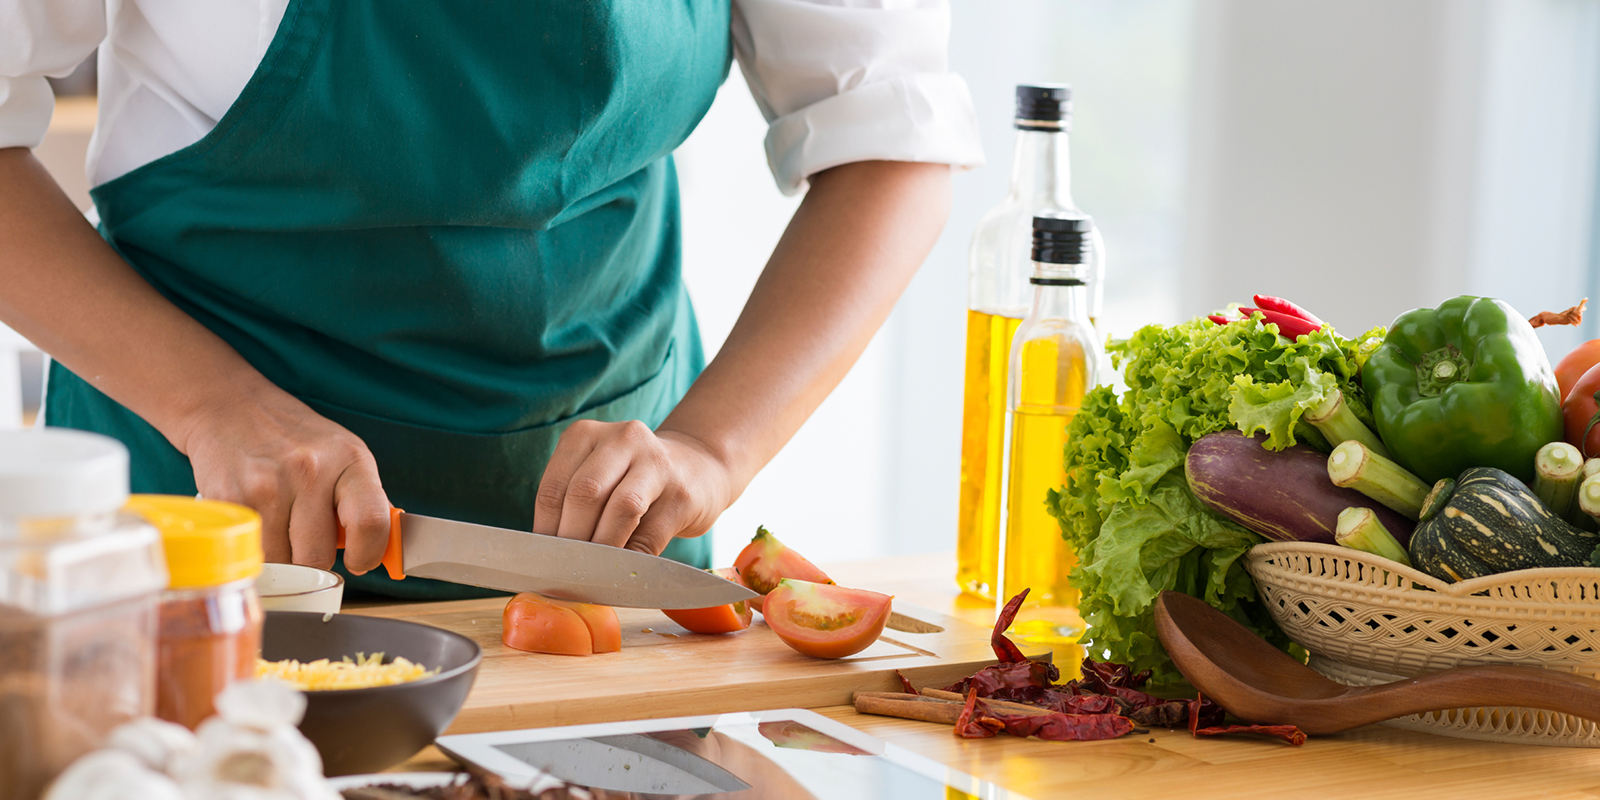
(838, 80)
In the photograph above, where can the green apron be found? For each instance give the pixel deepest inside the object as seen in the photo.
(450, 227)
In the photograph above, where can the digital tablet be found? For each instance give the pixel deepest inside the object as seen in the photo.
(787, 754)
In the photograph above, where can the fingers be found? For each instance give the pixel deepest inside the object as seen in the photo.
(574, 446)
(619, 484)
(362, 507)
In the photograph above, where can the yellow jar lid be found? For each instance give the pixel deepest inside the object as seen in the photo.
(208, 542)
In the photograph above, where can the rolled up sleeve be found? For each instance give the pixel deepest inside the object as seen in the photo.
(854, 80)
(40, 38)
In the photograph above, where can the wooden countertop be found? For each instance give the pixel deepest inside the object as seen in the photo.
(1371, 762)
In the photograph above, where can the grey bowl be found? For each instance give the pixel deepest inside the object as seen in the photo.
(370, 730)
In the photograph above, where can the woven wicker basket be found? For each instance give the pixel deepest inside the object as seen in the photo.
(1369, 620)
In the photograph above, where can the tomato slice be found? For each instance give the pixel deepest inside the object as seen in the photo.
(824, 620)
(717, 619)
(765, 561)
(536, 625)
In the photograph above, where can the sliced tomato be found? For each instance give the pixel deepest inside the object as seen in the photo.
(765, 561)
(717, 619)
(605, 632)
(536, 625)
(1575, 363)
(824, 620)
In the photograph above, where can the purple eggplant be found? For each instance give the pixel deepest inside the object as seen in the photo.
(1284, 495)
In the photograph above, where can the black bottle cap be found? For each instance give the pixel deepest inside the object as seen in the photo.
(1044, 107)
(1063, 240)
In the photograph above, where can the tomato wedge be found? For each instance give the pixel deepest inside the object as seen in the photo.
(605, 632)
(824, 620)
(717, 619)
(536, 625)
(765, 561)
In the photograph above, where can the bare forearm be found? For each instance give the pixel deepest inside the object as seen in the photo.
(848, 254)
(64, 288)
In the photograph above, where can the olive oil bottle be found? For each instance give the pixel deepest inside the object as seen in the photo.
(997, 300)
(1054, 361)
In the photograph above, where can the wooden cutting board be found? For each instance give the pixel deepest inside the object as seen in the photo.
(666, 671)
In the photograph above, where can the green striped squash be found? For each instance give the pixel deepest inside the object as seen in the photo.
(1491, 523)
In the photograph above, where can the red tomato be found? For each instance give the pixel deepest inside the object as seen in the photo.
(824, 620)
(605, 632)
(718, 619)
(765, 561)
(536, 625)
(1578, 409)
(1577, 362)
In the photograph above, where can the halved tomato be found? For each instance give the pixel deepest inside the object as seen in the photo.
(765, 561)
(605, 632)
(536, 625)
(718, 619)
(824, 620)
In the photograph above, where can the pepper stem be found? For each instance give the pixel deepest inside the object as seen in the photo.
(1444, 370)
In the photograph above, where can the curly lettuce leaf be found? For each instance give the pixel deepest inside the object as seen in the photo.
(1126, 507)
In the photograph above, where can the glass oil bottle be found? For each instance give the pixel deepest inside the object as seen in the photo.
(997, 300)
(1054, 361)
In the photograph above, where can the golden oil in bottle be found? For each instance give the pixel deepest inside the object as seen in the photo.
(983, 427)
(1054, 361)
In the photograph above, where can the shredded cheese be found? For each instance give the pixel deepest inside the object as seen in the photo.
(364, 672)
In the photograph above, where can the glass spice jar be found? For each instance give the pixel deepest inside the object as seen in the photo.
(210, 623)
(79, 584)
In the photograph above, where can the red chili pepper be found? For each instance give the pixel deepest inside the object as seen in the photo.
(1219, 319)
(1058, 727)
(1004, 649)
(1282, 306)
(1291, 327)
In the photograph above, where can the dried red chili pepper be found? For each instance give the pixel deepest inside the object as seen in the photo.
(1106, 673)
(1005, 649)
(1058, 727)
(1166, 715)
(1288, 733)
(1267, 302)
(970, 725)
(994, 679)
(905, 685)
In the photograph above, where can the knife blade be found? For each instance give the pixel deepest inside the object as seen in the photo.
(627, 763)
(568, 569)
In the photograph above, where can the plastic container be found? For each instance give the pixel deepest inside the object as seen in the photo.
(79, 584)
(210, 631)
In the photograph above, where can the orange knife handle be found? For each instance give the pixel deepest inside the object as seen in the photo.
(392, 562)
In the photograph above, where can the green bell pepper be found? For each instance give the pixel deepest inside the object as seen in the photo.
(1464, 385)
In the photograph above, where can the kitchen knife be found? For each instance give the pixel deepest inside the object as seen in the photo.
(569, 569)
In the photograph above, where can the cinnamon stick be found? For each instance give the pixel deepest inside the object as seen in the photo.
(908, 706)
(1003, 706)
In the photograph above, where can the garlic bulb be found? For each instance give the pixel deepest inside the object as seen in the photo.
(157, 743)
(252, 750)
(112, 775)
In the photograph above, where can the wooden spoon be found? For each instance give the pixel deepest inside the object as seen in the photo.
(1261, 684)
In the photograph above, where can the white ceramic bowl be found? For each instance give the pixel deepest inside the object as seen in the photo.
(291, 587)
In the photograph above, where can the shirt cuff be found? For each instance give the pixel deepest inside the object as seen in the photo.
(26, 104)
(922, 117)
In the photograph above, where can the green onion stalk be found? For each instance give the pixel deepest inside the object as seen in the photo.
(1339, 424)
(1360, 529)
(1353, 465)
(1558, 469)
